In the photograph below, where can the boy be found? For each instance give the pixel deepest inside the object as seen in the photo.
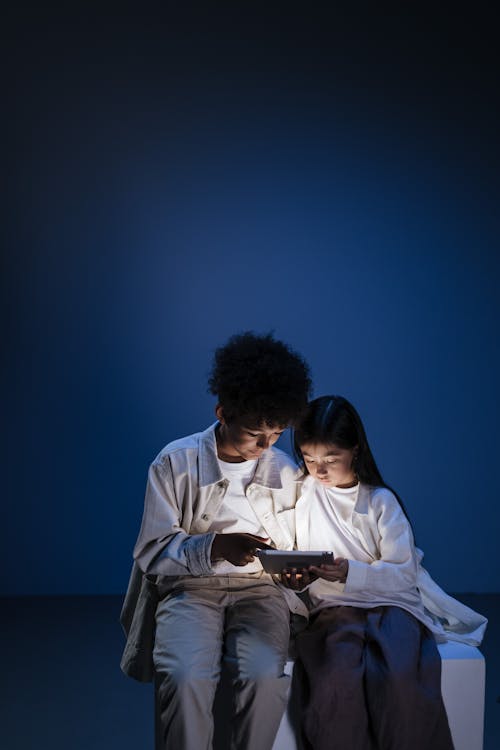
(212, 499)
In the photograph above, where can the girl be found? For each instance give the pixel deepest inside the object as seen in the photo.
(367, 672)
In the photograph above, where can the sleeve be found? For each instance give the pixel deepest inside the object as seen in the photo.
(395, 569)
(163, 547)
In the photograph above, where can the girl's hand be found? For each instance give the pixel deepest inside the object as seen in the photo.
(336, 572)
(296, 579)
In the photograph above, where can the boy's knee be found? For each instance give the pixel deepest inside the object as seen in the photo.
(182, 669)
(185, 686)
(260, 662)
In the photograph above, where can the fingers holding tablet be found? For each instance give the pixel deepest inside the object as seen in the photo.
(277, 560)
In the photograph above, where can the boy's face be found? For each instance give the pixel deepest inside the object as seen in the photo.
(244, 440)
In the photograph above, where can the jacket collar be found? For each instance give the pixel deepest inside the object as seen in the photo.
(267, 474)
(363, 502)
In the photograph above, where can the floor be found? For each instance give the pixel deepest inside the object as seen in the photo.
(62, 689)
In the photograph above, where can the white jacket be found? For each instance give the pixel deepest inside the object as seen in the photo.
(394, 574)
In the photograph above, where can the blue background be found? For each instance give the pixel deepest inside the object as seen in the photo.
(176, 175)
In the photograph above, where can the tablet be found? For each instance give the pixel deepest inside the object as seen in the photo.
(274, 560)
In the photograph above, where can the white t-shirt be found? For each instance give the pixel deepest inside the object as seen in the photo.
(236, 513)
(330, 527)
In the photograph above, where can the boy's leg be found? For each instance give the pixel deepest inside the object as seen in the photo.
(256, 648)
(187, 656)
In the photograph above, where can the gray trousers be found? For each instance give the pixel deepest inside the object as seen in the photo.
(201, 623)
(369, 679)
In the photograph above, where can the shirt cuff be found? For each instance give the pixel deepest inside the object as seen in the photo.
(198, 549)
(356, 576)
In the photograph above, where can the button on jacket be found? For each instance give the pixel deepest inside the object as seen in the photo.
(184, 492)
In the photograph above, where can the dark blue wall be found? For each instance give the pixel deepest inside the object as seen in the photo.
(184, 174)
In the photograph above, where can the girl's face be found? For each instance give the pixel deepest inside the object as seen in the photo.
(329, 464)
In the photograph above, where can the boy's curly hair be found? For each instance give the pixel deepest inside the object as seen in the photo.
(260, 380)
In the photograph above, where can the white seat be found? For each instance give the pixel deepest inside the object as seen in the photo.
(462, 686)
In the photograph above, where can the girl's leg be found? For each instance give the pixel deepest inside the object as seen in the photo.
(329, 675)
(403, 683)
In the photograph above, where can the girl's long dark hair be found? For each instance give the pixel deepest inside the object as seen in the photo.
(334, 420)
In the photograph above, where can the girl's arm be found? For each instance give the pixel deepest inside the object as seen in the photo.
(395, 565)
(395, 569)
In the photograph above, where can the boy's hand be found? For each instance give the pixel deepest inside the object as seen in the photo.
(238, 549)
(336, 572)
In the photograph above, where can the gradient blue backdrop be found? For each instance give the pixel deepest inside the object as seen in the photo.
(183, 174)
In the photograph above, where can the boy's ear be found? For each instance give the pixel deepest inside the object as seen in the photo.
(219, 413)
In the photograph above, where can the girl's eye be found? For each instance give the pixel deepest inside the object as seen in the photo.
(252, 434)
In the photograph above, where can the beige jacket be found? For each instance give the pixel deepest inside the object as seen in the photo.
(184, 492)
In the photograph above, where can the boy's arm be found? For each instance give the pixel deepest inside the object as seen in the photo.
(163, 547)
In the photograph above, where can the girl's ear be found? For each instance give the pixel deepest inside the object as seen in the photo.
(219, 413)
